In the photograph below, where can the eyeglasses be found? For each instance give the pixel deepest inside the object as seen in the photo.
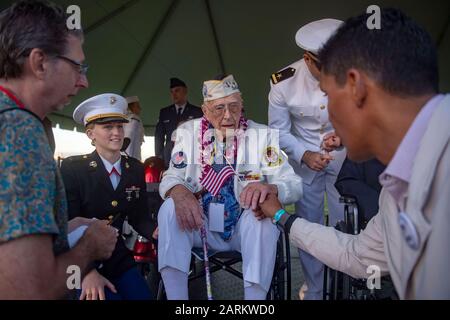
(315, 60)
(82, 68)
(233, 107)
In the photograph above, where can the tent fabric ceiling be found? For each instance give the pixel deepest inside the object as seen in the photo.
(135, 46)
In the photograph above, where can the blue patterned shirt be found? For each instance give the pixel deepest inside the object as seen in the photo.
(32, 196)
(227, 197)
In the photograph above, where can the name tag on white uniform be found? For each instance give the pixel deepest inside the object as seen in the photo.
(216, 216)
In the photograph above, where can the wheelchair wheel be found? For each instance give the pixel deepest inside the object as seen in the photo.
(339, 285)
(277, 287)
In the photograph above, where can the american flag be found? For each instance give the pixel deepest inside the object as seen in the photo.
(213, 181)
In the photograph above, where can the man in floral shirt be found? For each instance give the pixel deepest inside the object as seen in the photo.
(39, 71)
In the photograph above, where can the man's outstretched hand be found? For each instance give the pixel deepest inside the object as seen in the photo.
(255, 193)
(270, 206)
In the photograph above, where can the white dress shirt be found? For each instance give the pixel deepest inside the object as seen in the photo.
(113, 170)
(182, 107)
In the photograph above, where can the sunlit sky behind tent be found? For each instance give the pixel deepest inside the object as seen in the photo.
(72, 142)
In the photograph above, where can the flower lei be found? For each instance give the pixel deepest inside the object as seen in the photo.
(207, 140)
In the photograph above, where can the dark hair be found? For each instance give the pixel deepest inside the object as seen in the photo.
(220, 77)
(175, 82)
(400, 57)
(30, 24)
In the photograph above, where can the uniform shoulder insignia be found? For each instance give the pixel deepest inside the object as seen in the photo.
(282, 75)
(77, 158)
(131, 161)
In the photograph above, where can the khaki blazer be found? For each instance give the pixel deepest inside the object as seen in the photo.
(422, 272)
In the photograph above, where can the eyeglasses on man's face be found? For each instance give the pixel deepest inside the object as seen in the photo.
(82, 67)
(315, 60)
(233, 107)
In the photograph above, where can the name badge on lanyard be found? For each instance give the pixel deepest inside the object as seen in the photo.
(216, 216)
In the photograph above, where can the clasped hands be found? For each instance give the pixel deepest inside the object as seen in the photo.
(190, 214)
(331, 142)
(318, 161)
(267, 204)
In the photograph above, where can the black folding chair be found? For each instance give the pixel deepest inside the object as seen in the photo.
(280, 288)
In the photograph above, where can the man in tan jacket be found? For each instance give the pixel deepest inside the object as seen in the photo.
(384, 103)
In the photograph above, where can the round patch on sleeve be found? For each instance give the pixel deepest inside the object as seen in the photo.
(179, 160)
(272, 157)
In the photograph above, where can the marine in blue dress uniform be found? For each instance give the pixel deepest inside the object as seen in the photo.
(108, 185)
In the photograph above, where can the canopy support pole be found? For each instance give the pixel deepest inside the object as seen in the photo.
(216, 39)
(150, 44)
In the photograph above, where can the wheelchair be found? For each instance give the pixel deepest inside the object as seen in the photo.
(340, 286)
(280, 288)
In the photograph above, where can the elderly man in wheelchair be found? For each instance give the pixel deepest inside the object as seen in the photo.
(223, 166)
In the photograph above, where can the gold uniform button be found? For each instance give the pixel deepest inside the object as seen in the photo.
(114, 203)
(322, 107)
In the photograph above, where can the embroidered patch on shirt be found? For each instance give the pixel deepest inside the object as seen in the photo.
(272, 157)
(249, 176)
(179, 160)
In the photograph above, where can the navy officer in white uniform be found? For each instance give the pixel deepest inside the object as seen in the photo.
(222, 140)
(134, 129)
(298, 108)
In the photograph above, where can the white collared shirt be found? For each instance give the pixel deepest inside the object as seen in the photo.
(397, 175)
(182, 107)
(115, 179)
